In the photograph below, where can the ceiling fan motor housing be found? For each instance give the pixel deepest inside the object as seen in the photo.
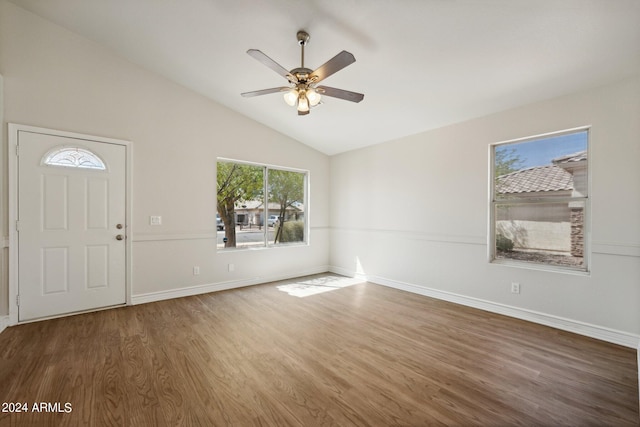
(302, 74)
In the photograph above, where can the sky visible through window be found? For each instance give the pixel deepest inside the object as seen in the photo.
(541, 152)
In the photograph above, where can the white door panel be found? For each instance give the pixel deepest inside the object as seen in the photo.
(69, 257)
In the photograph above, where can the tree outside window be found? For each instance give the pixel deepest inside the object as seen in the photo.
(286, 193)
(237, 183)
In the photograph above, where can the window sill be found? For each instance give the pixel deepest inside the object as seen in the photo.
(261, 248)
(541, 267)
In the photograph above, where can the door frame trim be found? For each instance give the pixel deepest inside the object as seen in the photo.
(14, 132)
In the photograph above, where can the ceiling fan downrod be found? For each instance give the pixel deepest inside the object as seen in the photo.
(303, 39)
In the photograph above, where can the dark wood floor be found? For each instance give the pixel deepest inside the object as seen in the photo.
(358, 355)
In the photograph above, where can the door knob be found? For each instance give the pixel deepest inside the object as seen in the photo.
(119, 237)
(119, 226)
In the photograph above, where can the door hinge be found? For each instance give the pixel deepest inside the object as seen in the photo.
(17, 150)
(18, 300)
(17, 225)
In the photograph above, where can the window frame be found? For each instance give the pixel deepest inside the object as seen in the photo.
(585, 269)
(265, 212)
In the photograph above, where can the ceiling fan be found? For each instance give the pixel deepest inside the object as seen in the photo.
(303, 91)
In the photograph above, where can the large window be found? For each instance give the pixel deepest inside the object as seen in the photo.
(540, 201)
(260, 205)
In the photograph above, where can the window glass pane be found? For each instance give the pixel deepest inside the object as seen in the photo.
(540, 189)
(548, 233)
(259, 205)
(286, 216)
(240, 205)
(554, 166)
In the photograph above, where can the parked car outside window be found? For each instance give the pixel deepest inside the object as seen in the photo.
(272, 220)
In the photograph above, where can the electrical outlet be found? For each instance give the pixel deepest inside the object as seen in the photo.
(155, 220)
(515, 288)
(196, 270)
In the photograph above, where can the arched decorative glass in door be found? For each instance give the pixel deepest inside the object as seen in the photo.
(73, 157)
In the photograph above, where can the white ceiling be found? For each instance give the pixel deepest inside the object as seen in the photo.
(421, 64)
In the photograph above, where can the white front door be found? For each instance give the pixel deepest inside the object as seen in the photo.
(71, 225)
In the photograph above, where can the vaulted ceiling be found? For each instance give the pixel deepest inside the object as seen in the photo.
(422, 64)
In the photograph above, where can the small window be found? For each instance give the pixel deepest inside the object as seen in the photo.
(260, 205)
(73, 157)
(540, 201)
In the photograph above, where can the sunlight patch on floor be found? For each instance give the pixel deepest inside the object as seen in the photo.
(317, 284)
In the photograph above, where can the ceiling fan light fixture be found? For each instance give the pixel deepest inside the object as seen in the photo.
(303, 103)
(291, 97)
(313, 97)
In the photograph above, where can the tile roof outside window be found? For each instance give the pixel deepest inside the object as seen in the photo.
(571, 158)
(536, 179)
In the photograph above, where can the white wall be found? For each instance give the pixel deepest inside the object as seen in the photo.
(413, 214)
(56, 79)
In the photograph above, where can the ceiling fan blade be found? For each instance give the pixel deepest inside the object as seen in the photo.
(264, 91)
(333, 65)
(255, 53)
(340, 93)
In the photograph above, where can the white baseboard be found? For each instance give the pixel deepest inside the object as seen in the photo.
(581, 328)
(222, 286)
(4, 323)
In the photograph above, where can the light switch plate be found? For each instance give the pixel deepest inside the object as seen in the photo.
(155, 220)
